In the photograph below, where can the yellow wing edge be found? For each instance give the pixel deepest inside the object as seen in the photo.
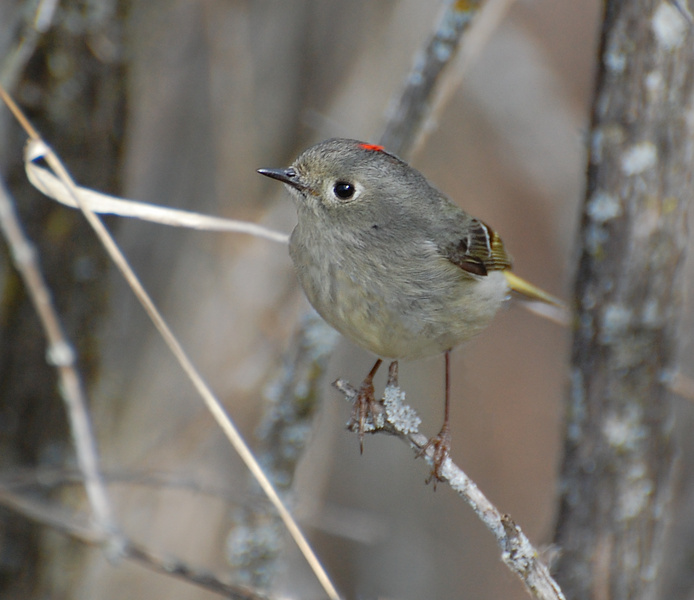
(520, 285)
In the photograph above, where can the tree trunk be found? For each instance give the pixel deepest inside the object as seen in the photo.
(617, 471)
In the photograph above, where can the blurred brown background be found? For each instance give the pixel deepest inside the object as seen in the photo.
(177, 103)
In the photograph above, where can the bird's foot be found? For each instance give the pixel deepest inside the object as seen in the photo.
(364, 406)
(441, 445)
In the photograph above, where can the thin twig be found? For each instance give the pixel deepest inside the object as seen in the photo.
(40, 148)
(17, 58)
(61, 355)
(78, 528)
(53, 478)
(684, 11)
(396, 418)
(407, 115)
(485, 23)
(50, 185)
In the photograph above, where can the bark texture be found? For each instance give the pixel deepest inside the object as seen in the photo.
(617, 471)
(70, 82)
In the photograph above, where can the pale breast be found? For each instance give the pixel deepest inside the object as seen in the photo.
(397, 308)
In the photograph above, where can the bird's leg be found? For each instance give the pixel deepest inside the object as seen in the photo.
(441, 443)
(364, 404)
(393, 374)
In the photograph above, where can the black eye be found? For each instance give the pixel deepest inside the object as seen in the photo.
(344, 190)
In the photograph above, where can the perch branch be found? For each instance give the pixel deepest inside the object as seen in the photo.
(396, 418)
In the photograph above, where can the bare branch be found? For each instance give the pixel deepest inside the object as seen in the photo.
(409, 112)
(50, 185)
(491, 13)
(78, 528)
(61, 355)
(19, 56)
(398, 419)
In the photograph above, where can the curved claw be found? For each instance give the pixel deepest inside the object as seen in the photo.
(364, 405)
(441, 444)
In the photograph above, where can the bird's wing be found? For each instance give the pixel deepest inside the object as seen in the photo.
(476, 248)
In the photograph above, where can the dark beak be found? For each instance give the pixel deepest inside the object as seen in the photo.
(288, 176)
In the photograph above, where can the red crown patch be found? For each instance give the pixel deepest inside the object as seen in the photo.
(374, 147)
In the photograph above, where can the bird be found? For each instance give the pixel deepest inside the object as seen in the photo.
(392, 263)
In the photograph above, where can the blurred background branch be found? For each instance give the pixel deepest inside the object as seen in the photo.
(410, 110)
(61, 355)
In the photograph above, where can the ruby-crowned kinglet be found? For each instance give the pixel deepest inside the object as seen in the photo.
(391, 262)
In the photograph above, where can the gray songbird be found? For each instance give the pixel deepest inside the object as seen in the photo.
(392, 263)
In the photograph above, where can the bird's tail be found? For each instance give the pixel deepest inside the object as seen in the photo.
(526, 288)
